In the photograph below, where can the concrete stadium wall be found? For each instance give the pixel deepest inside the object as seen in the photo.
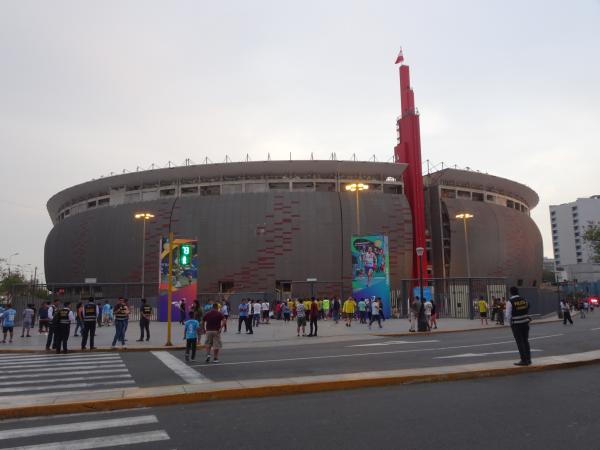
(503, 243)
(250, 239)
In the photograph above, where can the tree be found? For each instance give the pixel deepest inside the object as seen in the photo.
(592, 237)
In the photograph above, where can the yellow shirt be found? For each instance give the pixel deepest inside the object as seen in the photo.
(349, 306)
(483, 307)
(307, 306)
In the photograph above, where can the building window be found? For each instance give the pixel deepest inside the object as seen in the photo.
(189, 190)
(167, 192)
(463, 194)
(510, 203)
(448, 193)
(491, 198)
(91, 204)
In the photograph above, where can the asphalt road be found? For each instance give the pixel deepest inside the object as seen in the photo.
(399, 353)
(546, 410)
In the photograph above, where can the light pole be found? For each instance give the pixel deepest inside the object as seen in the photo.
(464, 217)
(9, 258)
(357, 187)
(422, 324)
(144, 216)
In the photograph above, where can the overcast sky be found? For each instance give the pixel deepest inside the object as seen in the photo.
(88, 88)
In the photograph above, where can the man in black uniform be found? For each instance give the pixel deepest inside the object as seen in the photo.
(145, 315)
(52, 311)
(90, 315)
(62, 323)
(517, 314)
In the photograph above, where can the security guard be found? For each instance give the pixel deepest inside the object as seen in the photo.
(62, 323)
(90, 315)
(145, 316)
(517, 314)
(52, 311)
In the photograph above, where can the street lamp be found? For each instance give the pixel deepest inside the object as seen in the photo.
(9, 258)
(422, 326)
(144, 216)
(464, 217)
(357, 187)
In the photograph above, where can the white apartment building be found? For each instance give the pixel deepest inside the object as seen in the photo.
(568, 222)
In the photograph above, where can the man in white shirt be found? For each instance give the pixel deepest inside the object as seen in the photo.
(256, 307)
(264, 307)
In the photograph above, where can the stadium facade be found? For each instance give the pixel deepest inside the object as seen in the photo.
(264, 226)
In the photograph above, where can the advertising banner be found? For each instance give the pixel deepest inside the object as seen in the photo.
(185, 277)
(370, 269)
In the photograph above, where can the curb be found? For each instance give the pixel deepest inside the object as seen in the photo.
(432, 333)
(270, 390)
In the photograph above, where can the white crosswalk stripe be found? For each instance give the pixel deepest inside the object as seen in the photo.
(38, 374)
(90, 432)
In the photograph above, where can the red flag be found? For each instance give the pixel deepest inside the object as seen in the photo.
(400, 57)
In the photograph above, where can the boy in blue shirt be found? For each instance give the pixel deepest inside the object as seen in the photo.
(191, 336)
(8, 322)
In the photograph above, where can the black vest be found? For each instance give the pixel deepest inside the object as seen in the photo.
(63, 316)
(520, 310)
(89, 312)
(120, 312)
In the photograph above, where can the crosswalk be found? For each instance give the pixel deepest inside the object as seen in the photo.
(48, 373)
(83, 431)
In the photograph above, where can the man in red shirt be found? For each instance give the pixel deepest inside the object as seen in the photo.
(313, 316)
(213, 322)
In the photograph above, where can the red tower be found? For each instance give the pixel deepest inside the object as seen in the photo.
(408, 151)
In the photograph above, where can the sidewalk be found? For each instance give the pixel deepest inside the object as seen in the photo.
(127, 398)
(276, 333)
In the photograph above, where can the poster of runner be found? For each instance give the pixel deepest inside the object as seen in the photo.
(370, 269)
(185, 277)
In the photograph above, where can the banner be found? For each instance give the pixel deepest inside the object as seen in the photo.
(370, 269)
(185, 277)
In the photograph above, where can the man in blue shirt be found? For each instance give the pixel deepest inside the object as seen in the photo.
(191, 336)
(8, 322)
(244, 310)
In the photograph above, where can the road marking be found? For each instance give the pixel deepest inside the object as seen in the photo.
(382, 344)
(546, 337)
(52, 355)
(63, 386)
(63, 379)
(189, 375)
(351, 355)
(62, 363)
(55, 369)
(63, 373)
(594, 329)
(101, 442)
(473, 355)
(77, 426)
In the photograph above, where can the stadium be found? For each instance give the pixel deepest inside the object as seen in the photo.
(286, 226)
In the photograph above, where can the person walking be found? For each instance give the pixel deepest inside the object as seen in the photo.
(190, 334)
(62, 322)
(89, 317)
(483, 310)
(8, 323)
(566, 311)
(265, 311)
(121, 313)
(349, 309)
(225, 312)
(326, 308)
(517, 314)
(362, 311)
(285, 309)
(52, 311)
(428, 308)
(213, 324)
(145, 317)
(106, 313)
(78, 319)
(43, 318)
(415, 307)
(243, 316)
(335, 310)
(301, 318)
(257, 308)
(314, 317)
(375, 313)
(182, 311)
(28, 317)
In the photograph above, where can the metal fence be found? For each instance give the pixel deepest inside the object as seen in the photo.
(453, 297)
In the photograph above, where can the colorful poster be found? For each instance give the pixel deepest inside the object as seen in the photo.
(185, 277)
(370, 269)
